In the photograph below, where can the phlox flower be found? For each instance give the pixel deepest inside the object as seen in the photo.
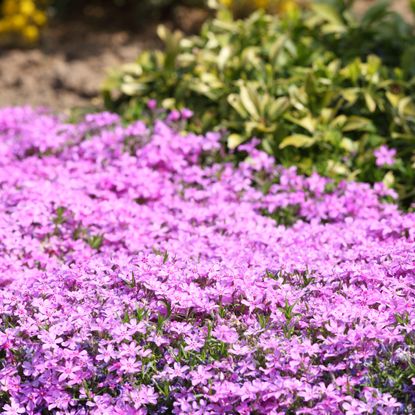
(70, 373)
(200, 376)
(106, 353)
(143, 395)
(384, 156)
(226, 334)
(152, 104)
(129, 365)
(144, 276)
(13, 409)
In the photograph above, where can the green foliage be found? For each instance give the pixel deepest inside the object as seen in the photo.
(394, 370)
(284, 216)
(320, 88)
(95, 241)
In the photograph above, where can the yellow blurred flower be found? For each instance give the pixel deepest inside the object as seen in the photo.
(22, 20)
(31, 33)
(288, 6)
(4, 26)
(39, 18)
(261, 4)
(18, 21)
(10, 7)
(27, 7)
(271, 6)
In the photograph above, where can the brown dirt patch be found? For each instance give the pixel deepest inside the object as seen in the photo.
(69, 67)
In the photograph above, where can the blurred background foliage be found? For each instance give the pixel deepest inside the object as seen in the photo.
(21, 21)
(321, 88)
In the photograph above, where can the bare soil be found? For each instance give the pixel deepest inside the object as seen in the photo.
(401, 6)
(74, 57)
(68, 68)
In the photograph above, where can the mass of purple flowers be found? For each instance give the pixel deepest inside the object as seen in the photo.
(142, 274)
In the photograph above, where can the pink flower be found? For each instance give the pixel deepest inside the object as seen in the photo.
(186, 113)
(143, 396)
(174, 115)
(355, 407)
(385, 156)
(13, 408)
(106, 353)
(194, 342)
(177, 371)
(211, 290)
(70, 372)
(129, 365)
(152, 104)
(226, 334)
(200, 376)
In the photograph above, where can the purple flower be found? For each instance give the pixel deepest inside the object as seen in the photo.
(138, 275)
(13, 408)
(70, 373)
(384, 156)
(200, 376)
(226, 334)
(106, 353)
(129, 365)
(152, 104)
(143, 396)
(186, 113)
(174, 116)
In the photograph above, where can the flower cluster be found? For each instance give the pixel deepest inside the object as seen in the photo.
(272, 6)
(140, 276)
(22, 19)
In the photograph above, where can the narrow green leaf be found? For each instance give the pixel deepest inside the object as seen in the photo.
(234, 140)
(328, 13)
(370, 102)
(235, 101)
(248, 102)
(356, 123)
(376, 12)
(297, 140)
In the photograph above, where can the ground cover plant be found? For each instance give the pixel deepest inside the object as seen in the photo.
(321, 89)
(141, 276)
